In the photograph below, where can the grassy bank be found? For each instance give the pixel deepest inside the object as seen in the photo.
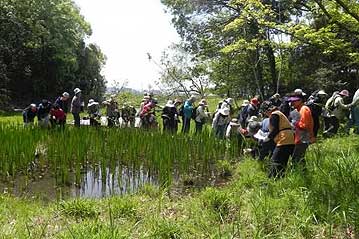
(321, 202)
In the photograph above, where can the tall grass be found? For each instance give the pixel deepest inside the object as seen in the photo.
(139, 156)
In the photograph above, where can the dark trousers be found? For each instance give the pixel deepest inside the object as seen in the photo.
(266, 149)
(331, 125)
(279, 160)
(298, 156)
(77, 119)
(199, 127)
(186, 124)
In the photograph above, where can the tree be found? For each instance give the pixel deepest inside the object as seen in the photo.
(182, 74)
(42, 50)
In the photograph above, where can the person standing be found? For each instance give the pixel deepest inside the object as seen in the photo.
(335, 112)
(187, 114)
(93, 109)
(281, 133)
(76, 106)
(112, 112)
(304, 130)
(201, 115)
(220, 121)
(169, 117)
(354, 112)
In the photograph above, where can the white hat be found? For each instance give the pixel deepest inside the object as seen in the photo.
(65, 94)
(203, 102)
(322, 92)
(245, 103)
(253, 119)
(33, 105)
(229, 101)
(77, 90)
(234, 122)
(92, 102)
(299, 92)
(169, 103)
(224, 111)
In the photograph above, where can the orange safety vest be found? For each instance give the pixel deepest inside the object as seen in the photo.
(285, 135)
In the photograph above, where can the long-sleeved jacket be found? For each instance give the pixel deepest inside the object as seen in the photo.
(201, 114)
(43, 110)
(63, 104)
(187, 109)
(29, 114)
(76, 105)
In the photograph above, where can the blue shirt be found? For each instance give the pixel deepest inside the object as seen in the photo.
(187, 109)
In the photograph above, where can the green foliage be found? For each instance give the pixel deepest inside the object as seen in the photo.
(123, 207)
(43, 52)
(79, 208)
(260, 47)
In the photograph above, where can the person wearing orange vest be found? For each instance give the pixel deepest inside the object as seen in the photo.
(304, 129)
(280, 131)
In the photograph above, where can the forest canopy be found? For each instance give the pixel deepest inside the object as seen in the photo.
(267, 46)
(43, 51)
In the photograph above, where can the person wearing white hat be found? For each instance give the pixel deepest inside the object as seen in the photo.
(220, 121)
(63, 103)
(29, 114)
(201, 115)
(169, 117)
(93, 109)
(112, 112)
(316, 103)
(299, 92)
(76, 104)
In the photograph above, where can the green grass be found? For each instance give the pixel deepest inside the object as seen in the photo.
(321, 202)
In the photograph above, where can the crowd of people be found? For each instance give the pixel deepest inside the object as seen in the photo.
(281, 127)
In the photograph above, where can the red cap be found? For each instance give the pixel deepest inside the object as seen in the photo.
(255, 101)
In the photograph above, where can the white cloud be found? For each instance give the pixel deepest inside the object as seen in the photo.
(126, 30)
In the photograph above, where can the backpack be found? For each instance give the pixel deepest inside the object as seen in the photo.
(180, 110)
(330, 105)
(194, 113)
(315, 109)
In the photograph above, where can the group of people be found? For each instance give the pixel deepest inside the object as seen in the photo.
(52, 114)
(55, 114)
(282, 127)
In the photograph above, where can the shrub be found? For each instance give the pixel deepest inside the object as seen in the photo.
(79, 208)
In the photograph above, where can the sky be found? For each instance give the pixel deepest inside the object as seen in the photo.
(126, 30)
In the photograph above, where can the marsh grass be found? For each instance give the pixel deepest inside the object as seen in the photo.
(320, 202)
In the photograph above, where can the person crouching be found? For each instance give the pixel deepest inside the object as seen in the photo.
(57, 117)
